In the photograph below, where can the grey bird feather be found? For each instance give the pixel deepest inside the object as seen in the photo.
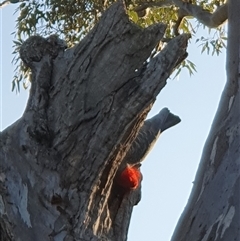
(148, 135)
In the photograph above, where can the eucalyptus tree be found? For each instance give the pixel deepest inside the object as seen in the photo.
(85, 119)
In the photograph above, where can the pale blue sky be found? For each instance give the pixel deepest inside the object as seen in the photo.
(169, 170)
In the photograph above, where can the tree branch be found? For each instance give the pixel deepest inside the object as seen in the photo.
(211, 20)
(6, 2)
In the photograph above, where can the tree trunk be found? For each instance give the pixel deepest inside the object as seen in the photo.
(213, 209)
(60, 161)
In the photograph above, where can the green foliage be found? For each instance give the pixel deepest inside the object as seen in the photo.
(215, 44)
(73, 19)
(190, 66)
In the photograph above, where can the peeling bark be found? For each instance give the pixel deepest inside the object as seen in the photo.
(86, 107)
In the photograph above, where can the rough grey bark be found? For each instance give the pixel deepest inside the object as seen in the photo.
(213, 209)
(86, 107)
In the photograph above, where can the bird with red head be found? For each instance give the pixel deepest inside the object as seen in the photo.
(130, 177)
